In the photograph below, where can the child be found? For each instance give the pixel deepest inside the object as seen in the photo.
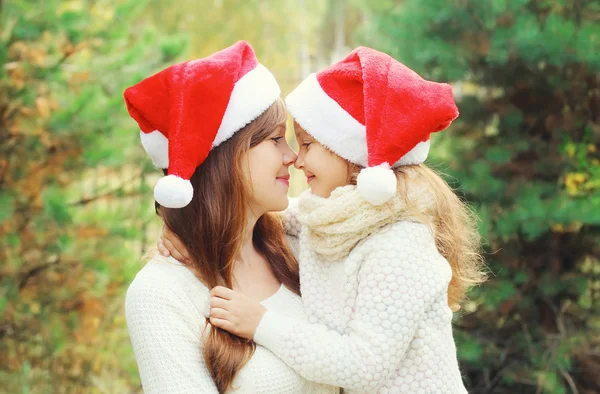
(387, 250)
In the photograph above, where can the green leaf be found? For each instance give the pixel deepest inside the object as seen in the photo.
(7, 207)
(498, 155)
(56, 207)
(172, 47)
(470, 350)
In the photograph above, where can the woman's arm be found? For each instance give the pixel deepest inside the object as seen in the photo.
(165, 331)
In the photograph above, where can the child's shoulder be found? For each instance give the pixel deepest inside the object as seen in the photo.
(289, 218)
(403, 232)
(408, 246)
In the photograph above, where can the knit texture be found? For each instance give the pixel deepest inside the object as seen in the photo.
(379, 320)
(166, 307)
(337, 223)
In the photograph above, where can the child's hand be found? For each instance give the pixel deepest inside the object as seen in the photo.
(169, 244)
(234, 312)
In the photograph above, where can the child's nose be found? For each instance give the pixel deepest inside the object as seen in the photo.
(299, 162)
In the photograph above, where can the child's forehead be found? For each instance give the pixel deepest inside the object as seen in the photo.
(300, 132)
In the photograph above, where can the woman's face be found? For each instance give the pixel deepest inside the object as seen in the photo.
(269, 175)
(324, 170)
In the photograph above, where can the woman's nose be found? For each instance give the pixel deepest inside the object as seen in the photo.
(289, 157)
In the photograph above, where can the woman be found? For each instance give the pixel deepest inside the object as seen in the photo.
(217, 125)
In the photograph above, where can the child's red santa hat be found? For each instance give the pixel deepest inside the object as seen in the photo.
(190, 108)
(374, 112)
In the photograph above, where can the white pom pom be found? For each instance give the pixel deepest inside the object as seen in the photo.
(172, 191)
(377, 184)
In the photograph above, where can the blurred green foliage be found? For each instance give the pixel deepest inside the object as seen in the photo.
(68, 188)
(526, 152)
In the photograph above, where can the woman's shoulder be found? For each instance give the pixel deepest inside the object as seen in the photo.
(164, 272)
(165, 282)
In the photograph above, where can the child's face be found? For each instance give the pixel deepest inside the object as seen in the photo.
(324, 170)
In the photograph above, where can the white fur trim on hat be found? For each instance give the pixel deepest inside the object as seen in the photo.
(324, 119)
(157, 147)
(251, 96)
(377, 184)
(172, 191)
(416, 155)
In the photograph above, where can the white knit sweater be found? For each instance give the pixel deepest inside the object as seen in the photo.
(379, 320)
(166, 307)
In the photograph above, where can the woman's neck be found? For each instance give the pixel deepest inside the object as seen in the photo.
(248, 251)
(252, 273)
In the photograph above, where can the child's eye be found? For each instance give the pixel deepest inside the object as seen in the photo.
(306, 144)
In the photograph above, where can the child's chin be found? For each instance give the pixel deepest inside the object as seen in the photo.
(315, 191)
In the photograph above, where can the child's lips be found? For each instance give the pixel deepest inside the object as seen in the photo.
(309, 178)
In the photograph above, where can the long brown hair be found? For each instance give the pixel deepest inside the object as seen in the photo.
(454, 225)
(213, 227)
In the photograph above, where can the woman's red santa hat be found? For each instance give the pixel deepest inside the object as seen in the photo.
(190, 108)
(374, 112)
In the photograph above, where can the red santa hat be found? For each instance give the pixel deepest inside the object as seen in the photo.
(374, 112)
(190, 108)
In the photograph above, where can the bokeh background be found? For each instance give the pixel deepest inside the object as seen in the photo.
(76, 208)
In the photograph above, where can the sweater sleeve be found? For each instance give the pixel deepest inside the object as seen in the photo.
(398, 281)
(165, 330)
(289, 217)
(292, 227)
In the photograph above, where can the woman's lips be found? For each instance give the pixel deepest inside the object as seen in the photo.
(284, 179)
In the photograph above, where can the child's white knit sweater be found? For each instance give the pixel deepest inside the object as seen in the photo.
(166, 309)
(379, 320)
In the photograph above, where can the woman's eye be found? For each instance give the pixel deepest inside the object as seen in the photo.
(276, 139)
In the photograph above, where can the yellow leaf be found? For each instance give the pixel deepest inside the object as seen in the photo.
(43, 107)
(38, 56)
(17, 76)
(574, 182)
(34, 307)
(73, 5)
(18, 50)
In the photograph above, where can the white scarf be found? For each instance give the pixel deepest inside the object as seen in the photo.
(337, 224)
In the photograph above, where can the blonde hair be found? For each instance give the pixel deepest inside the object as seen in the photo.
(454, 225)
